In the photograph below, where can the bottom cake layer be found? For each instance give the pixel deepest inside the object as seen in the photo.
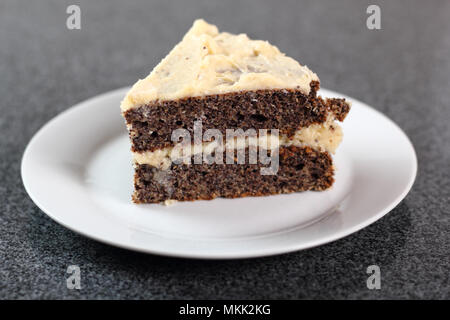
(300, 169)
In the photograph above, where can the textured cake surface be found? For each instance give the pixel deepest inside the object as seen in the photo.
(151, 126)
(207, 62)
(324, 137)
(301, 169)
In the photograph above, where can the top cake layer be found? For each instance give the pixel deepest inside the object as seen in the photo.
(207, 62)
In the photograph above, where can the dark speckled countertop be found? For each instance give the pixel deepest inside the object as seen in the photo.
(402, 70)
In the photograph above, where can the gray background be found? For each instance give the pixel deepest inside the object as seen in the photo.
(402, 70)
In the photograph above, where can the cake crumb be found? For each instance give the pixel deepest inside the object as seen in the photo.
(169, 202)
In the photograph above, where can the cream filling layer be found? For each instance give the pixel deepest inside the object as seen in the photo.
(324, 137)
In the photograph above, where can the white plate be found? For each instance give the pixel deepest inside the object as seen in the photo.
(77, 169)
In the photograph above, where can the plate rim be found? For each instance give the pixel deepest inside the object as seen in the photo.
(223, 256)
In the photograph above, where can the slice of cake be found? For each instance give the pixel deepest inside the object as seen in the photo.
(226, 116)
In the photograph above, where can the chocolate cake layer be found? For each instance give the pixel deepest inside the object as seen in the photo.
(151, 126)
(300, 169)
